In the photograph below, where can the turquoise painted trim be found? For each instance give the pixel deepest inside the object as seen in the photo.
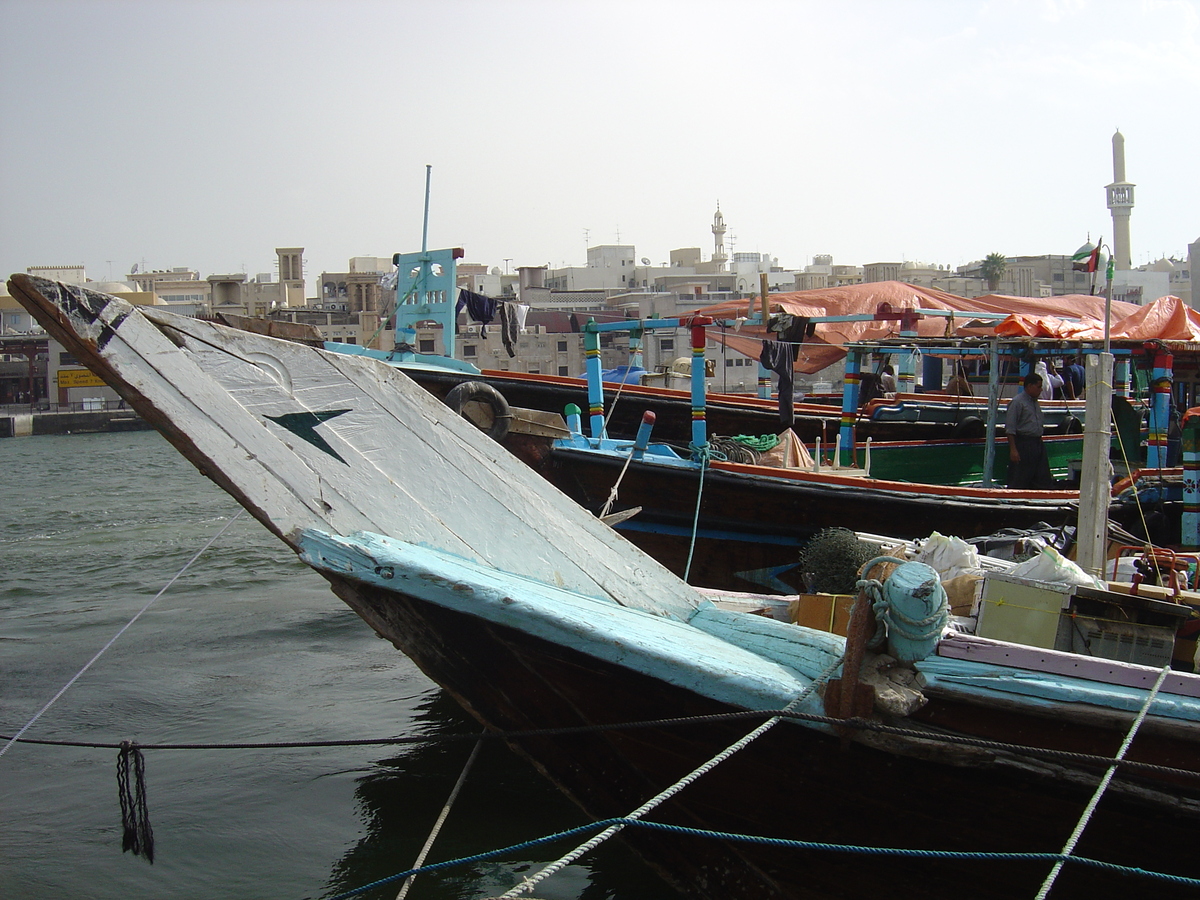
(425, 361)
(976, 680)
(657, 453)
(666, 648)
(427, 290)
(715, 534)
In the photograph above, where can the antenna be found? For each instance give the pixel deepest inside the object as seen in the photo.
(645, 260)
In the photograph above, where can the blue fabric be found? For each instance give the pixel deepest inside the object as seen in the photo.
(622, 374)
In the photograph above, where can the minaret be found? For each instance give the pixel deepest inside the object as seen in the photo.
(720, 257)
(1120, 202)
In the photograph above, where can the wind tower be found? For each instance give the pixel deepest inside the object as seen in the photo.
(1120, 203)
(291, 274)
(720, 257)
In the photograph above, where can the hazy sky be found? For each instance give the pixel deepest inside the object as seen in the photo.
(204, 134)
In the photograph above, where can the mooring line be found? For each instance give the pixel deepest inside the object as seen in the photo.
(441, 819)
(530, 882)
(113, 639)
(1103, 786)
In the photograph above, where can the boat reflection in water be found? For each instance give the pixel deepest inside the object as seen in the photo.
(502, 802)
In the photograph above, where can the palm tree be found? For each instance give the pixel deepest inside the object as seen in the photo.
(993, 269)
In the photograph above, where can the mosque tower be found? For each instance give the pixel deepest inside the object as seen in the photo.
(719, 257)
(1120, 202)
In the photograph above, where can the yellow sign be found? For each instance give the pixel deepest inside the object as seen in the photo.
(72, 378)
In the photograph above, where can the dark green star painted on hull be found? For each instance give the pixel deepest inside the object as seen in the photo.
(303, 425)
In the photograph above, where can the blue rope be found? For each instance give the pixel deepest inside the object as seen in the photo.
(981, 856)
(702, 454)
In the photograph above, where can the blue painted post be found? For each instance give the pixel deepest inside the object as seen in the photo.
(1160, 409)
(699, 424)
(574, 419)
(764, 382)
(850, 387)
(643, 435)
(1190, 537)
(591, 352)
(1121, 387)
(635, 348)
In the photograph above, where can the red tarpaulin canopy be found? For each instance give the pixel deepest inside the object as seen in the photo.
(1034, 316)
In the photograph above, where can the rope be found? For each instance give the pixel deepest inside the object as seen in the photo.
(395, 309)
(886, 615)
(702, 455)
(737, 450)
(784, 843)
(855, 723)
(526, 885)
(1103, 786)
(137, 835)
(612, 494)
(441, 819)
(113, 639)
(1137, 500)
(612, 408)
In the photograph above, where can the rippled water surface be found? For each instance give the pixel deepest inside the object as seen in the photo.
(248, 645)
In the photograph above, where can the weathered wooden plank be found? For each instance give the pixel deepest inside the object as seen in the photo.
(1107, 671)
(353, 470)
(663, 648)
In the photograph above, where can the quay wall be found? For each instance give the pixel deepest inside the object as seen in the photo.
(37, 423)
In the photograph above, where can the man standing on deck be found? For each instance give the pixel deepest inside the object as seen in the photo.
(1073, 376)
(1028, 465)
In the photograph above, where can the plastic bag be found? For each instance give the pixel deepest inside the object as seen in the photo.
(948, 556)
(1054, 568)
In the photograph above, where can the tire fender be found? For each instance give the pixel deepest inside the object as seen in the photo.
(467, 398)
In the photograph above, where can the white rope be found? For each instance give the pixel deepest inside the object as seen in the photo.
(437, 826)
(1103, 786)
(612, 495)
(530, 882)
(113, 640)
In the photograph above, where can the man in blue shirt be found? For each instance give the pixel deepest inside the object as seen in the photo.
(1028, 465)
(1073, 379)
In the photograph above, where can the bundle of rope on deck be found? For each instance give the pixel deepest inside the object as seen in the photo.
(733, 450)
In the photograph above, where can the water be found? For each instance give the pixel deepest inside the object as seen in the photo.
(248, 645)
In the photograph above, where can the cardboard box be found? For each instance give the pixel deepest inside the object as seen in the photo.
(822, 612)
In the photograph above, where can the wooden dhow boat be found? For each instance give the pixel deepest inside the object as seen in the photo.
(535, 615)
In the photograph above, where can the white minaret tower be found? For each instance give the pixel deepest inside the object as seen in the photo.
(720, 257)
(1120, 203)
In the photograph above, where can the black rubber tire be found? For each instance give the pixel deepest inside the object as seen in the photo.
(466, 400)
(1070, 425)
(970, 427)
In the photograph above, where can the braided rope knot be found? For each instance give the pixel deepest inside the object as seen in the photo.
(706, 453)
(892, 621)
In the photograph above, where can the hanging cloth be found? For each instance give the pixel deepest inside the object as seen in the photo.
(780, 358)
(520, 310)
(480, 308)
(508, 329)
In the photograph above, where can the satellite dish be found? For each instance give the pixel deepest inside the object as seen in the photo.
(495, 270)
(645, 260)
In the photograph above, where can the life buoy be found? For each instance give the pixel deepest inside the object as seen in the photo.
(483, 406)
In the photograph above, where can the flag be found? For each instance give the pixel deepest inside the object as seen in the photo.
(1086, 258)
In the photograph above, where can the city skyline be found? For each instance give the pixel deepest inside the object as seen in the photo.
(204, 134)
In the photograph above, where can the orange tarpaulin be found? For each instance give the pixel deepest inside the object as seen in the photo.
(1033, 316)
(1166, 319)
